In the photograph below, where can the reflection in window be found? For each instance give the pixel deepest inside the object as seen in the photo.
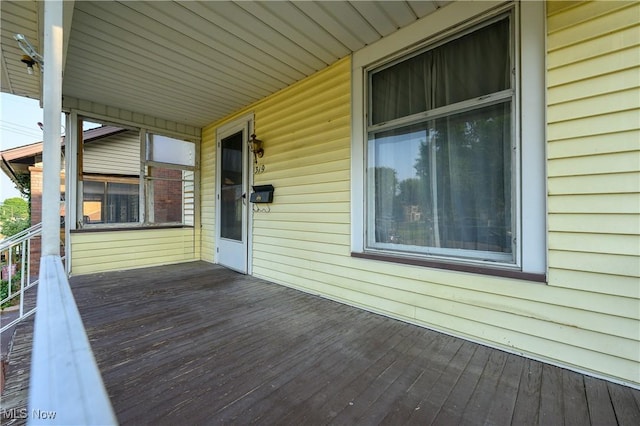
(445, 183)
(440, 146)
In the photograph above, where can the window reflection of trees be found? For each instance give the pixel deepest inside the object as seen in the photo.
(460, 196)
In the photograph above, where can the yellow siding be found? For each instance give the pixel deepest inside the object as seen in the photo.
(104, 251)
(587, 317)
(207, 193)
(306, 130)
(594, 164)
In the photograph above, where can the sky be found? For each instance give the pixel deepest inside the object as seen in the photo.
(19, 119)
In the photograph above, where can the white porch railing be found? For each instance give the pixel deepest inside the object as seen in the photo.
(65, 387)
(17, 250)
(65, 384)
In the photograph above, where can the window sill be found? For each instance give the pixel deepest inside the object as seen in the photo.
(474, 269)
(127, 228)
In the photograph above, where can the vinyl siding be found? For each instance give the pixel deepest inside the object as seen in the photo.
(594, 155)
(317, 185)
(208, 193)
(188, 198)
(116, 155)
(106, 251)
(586, 317)
(306, 130)
(594, 165)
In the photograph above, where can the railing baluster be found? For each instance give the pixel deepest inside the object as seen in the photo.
(20, 245)
(9, 268)
(22, 277)
(29, 261)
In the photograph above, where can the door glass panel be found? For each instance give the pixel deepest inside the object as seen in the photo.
(231, 187)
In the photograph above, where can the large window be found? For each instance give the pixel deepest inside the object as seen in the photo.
(439, 158)
(448, 142)
(126, 183)
(110, 161)
(110, 200)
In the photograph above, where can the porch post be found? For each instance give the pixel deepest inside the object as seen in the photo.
(52, 106)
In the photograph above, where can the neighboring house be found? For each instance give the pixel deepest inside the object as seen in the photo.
(475, 172)
(110, 176)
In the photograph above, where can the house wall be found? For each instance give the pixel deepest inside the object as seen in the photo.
(35, 247)
(188, 198)
(114, 250)
(167, 195)
(208, 193)
(593, 74)
(102, 249)
(586, 317)
(115, 155)
(35, 250)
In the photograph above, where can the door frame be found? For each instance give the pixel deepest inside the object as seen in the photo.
(243, 123)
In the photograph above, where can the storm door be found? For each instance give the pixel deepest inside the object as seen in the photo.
(232, 198)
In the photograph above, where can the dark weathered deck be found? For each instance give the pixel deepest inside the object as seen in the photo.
(199, 344)
(196, 343)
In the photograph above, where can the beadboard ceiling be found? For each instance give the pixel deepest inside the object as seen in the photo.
(195, 62)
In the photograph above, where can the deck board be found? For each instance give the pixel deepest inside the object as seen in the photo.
(451, 411)
(502, 404)
(477, 409)
(599, 402)
(198, 344)
(576, 411)
(624, 404)
(527, 407)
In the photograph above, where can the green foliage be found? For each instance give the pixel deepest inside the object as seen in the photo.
(23, 184)
(4, 290)
(12, 227)
(14, 216)
(462, 187)
(15, 207)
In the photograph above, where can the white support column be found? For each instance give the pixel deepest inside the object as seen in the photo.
(70, 184)
(52, 105)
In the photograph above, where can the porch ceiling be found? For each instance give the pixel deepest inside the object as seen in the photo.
(18, 17)
(195, 62)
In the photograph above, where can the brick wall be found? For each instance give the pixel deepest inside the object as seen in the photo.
(167, 195)
(36, 217)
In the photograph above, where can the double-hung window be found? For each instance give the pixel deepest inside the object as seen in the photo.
(442, 172)
(440, 140)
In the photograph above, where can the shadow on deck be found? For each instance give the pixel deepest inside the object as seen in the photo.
(198, 344)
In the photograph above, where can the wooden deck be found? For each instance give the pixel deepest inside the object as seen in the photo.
(198, 344)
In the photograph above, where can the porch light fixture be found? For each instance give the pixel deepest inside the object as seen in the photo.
(29, 62)
(255, 145)
(31, 56)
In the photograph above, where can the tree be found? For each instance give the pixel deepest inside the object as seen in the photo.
(14, 216)
(386, 190)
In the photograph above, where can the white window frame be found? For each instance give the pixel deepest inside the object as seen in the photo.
(530, 120)
(145, 200)
(146, 182)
